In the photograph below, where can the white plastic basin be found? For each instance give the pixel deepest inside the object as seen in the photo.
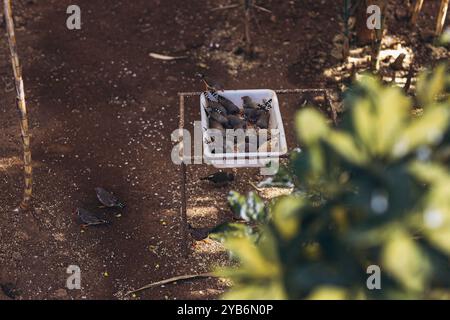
(245, 159)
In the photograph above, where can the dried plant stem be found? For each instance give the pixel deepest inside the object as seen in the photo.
(179, 278)
(441, 17)
(416, 11)
(231, 6)
(21, 105)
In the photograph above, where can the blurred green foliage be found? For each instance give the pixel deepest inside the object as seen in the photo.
(374, 191)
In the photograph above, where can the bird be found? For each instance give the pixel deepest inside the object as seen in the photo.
(397, 65)
(235, 122)
(248, 103)
(214, 105)
(252, 115)
(210, 84)
(213, 124)
(263, 120)
(251, 110)
(199, 234)
(89, 219)
(219, 178)
(266, 105)
(108, 199)
(217, 116)
(229, 105)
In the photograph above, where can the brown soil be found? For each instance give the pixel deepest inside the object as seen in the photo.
(102, 112)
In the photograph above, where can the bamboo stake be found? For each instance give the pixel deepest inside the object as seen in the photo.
(417, 8)
(21, 106)
(441, 17)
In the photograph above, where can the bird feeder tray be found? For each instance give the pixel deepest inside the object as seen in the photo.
(238, 159)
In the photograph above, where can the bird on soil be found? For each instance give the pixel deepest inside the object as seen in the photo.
(89, 219)
(108, 199)
(199, 234)
(219, 178)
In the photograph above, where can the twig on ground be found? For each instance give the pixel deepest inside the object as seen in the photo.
(174, 279)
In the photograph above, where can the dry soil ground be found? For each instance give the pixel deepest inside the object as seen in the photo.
(102, 112)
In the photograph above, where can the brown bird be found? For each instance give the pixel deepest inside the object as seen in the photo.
(229, 105)
(219, 178)
(214, 105)
(213, 124)
(89, 219)
(248, 103)
(397, 65)
(108, 199)
(263, 120)
(234, 122)
(199, 234)
(217, 116)
(211, 85)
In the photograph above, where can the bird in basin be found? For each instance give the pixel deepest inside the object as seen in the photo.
(107, 199)
(219, 178)
(210, 85)
(88, 219)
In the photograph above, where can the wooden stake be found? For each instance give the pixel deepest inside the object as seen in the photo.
(416, 11)
(247, 20)
(441, 17)
(21, 106)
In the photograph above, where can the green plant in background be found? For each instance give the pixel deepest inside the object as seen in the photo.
(375, 191)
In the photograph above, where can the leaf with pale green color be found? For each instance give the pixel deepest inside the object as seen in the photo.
(250, 208)
(286, 217)
(329, 293)
(426, 130)
(406, 261)
(429, 87)
(363, 121)
(392, 112)
(232, 230)
(344, 144)
(311, 126)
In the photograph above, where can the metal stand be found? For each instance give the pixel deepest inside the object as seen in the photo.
(183, 207)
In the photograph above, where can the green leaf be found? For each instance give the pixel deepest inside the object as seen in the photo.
(403, 259)
(232, 230)
(429, 87)
(363, 121)
(286, 217)
(236, 202)
(250, 208)
(346, 147)
(426, 130)
(311, 126)
(392, 112)
(329, 293)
